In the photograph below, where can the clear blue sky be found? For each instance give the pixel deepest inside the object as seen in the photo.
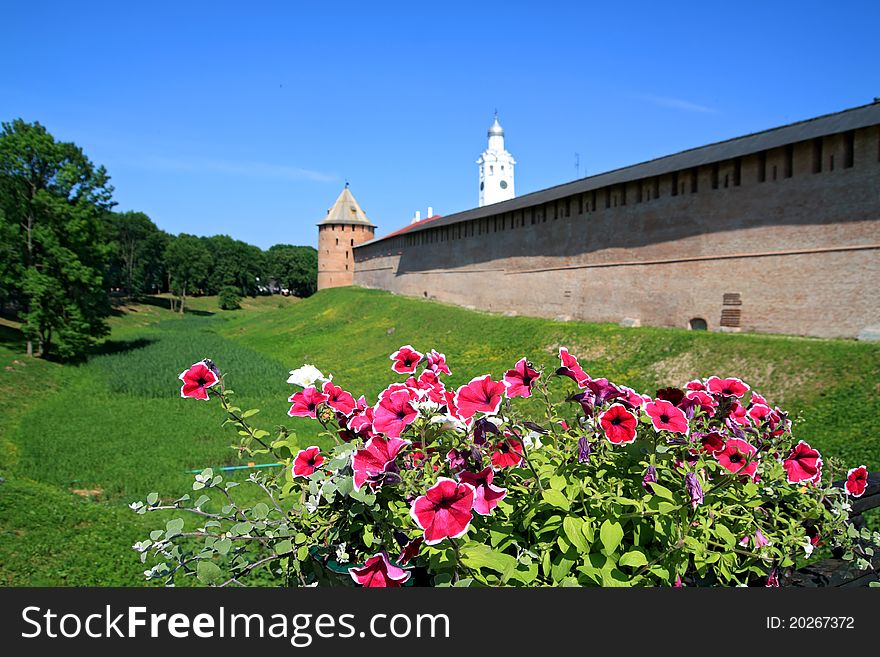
(246, 118)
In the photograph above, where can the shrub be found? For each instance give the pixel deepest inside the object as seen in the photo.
(494, 484)
(230, 298)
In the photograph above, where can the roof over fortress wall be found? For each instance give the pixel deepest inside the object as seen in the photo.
(829, 124)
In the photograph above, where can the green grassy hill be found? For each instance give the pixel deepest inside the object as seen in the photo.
(78, 443)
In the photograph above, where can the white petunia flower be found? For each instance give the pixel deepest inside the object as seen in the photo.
(449, 423)
(306, 376)
(532, 440)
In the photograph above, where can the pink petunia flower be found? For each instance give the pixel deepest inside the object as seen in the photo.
(437, 362)
(738, 457)
(410, 550)
(305, 402)
(619, 425)
(379, 572)
(507, 454)
(482, 394)
(571, 368)
(738, 414)
(759, 413)
(696, 384)
(857, 481)
(520, 380)
(197, 379)
(375, 458)
(338, 399)
(726, 387)
(803, 464)
(712, 443)
(705, 401)
(405, 360)
(307, 461)
(456, 459)
(630, 397)
(665, 416)
(361, 423)
(444, 511)
(428, 385)
(394, 413)
(486, 496)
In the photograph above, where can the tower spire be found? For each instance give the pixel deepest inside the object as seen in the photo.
(496, 167)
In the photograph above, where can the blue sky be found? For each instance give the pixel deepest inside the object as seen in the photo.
(247, 118)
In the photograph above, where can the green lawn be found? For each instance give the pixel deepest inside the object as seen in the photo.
(78, 443)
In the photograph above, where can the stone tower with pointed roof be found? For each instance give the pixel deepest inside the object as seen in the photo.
(345, 226)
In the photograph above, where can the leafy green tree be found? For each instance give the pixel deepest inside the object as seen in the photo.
(136, 247)
(188, 263)
(294, 267)
(234, 263)
(51, 201)
(229, 298)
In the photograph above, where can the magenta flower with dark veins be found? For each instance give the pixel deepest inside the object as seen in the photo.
(406, 359)
(307, 461)
(379, 572)
(305, 402)
(376, 457)
(444, 511)
(857, 481)
(394, 413)
(437, 362)
(520, 380)
(197, 379)
(486, 496)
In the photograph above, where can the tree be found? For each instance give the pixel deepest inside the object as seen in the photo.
(51, 201)
(188, 263)
(136, 247)
(235, 263)
(294, 267)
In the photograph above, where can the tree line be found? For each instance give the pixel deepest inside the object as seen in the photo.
(64, 251)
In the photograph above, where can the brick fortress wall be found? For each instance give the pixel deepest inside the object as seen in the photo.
(782, 241)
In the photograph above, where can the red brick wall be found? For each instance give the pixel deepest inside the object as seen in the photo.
(803, 252)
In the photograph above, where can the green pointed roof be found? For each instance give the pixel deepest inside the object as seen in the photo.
(346, 211)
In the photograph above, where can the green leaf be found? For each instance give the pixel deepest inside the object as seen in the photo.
(173, 527)
(573, 528)
(283, 547)
(223, 546)
(208, 572)
(260, 510)
(250, 413)
(561, 568)
(725, 535)
(633, 559)
(557, 483)
(241, 528)
(152, 498)
(662, 491)
(556, 498)
(610, 533)
(479, 556)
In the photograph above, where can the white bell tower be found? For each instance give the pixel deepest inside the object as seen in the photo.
(496, 168)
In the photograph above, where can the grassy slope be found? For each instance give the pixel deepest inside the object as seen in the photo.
(831, 386)
(115, 429)
(77, 443)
